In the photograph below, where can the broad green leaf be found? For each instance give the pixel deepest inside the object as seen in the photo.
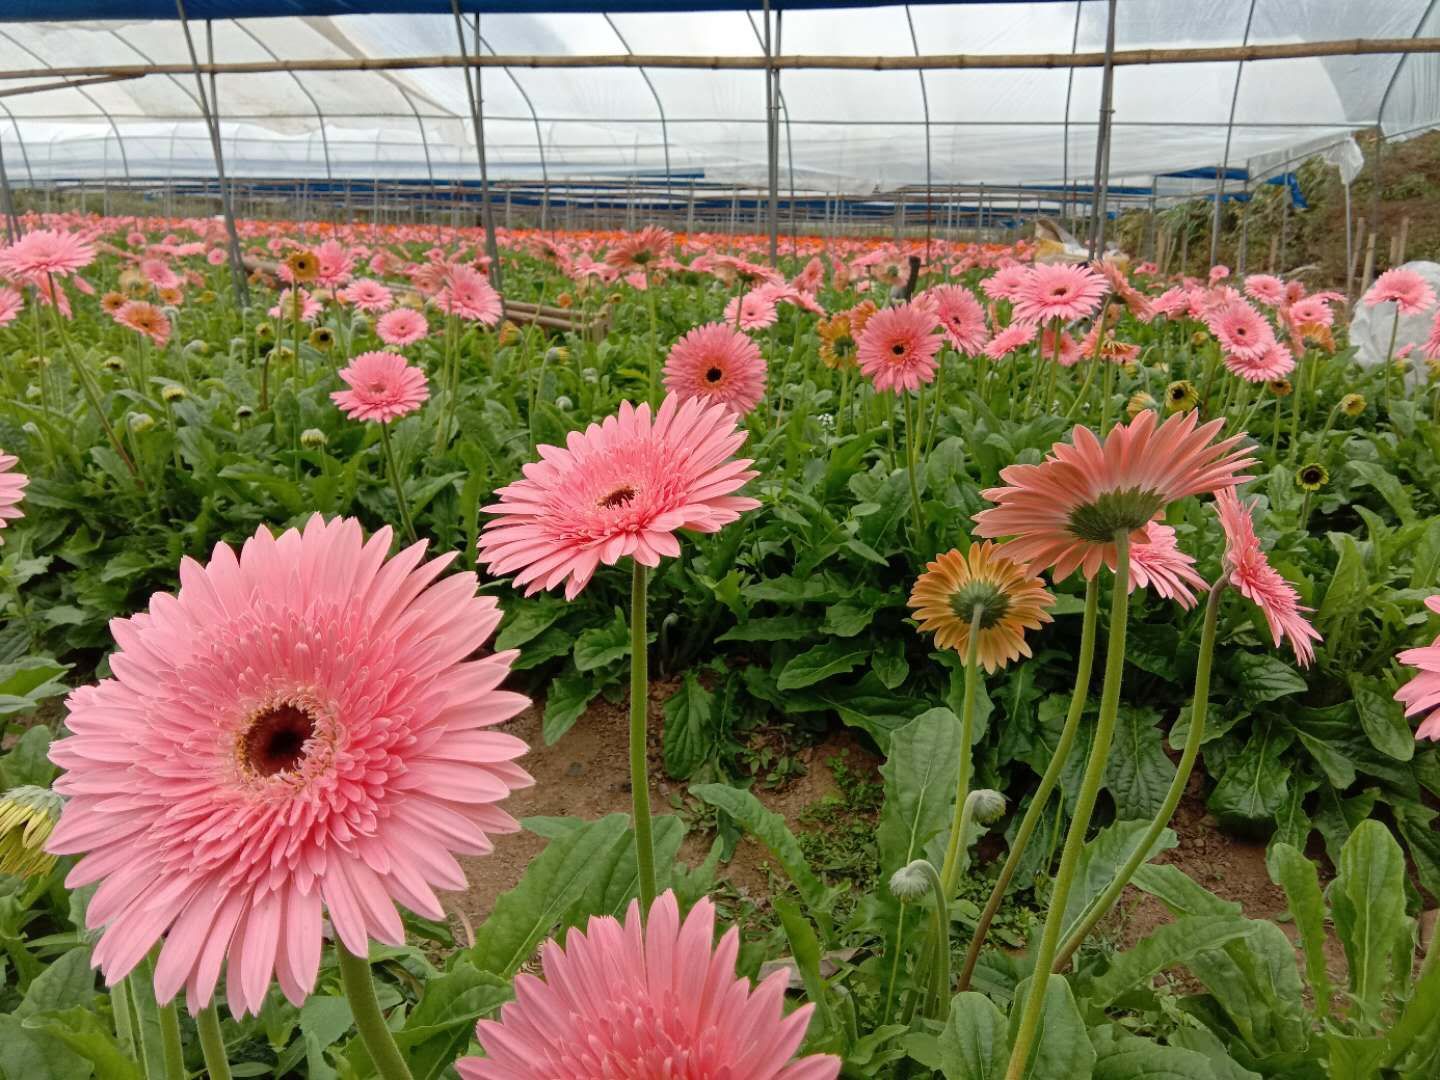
(1265, 677)
(1383, 718)
(1256, 983)
(602, 645)
(1204, 1041)
(691, 731)
(26, 682)
(973, 1044)
(527, 619)
(889, 663)
(919, 775)
(1254, 785)
(1292, 823)
(1299, 878)
(28, 761)
(34, 1055)
(67, 983)
(1348, 584)
(770, 829)
(1174, 944)
(819, 663)
(1353, 1057)
(1101, 859)
(616, 880)
(523, 917)
(1336, 817)
(1179, 892)
(1367, 899)
(805, 948)
(566, 702)
(1126, 1057)
(1062, 1049)
(1387, 484)
(777, 628)
(440, 1026)
(81, 1031)
(1138, 773)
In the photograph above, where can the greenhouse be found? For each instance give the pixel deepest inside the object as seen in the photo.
(730, 540)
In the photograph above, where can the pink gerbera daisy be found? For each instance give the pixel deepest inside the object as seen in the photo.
(641, 249)
(12, 490)
(1061, 347)
(1241, 330)
(1008, 340)
(1066, 511)
(383, 387)
(468, 294)
(1431, 347)
(1006, 282)
(1266, 288)
(648, 1000)
(715, 362)
(11, 304)
(403, 326)
(159, 274)
(295, 302)
(1312, 312)
(754, 311)
(43, 253)
(1157, 563)
(1410, 292)
(961, 317)
(1274, 363)
(300, 731)
(1058, 291)
(618, 488)
(1259, 582)
(1422, 693)
(898, 346)
(368, 295)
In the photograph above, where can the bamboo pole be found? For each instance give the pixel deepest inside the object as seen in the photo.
(792, 62)
(1404, 240)
(1369, 274)
(1354, 267)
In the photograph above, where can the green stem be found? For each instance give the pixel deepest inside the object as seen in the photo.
(212, 1043)
(1389, 354)
(170, 1040)
(1084, 807)
(395, 481)
(124, 1025)
(1041, 797)
(1107, 392)
(1084, 395)
(1200, 706)
(967, 731)
(639, 773)
(369, 1020)
(940, 963)
(911, 465)
(655, 343)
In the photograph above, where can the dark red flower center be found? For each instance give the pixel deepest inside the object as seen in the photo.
(714, 375)
(275, 741)
(618, 498)
(898, 348)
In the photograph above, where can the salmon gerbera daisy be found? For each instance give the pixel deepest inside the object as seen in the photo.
(649, 998)
(1157, 563)
(302, 730)
(383, 386)
(981, 587)
(1408, 291)
(716, 362)
(46, 253)
(961, 317)
(1066, 512)
(619, 488)
(1059, 291)
(12, 489)
(1255, 579)
(1422, 693)
(897, 349)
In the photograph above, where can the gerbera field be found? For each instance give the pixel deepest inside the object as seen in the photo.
(626, 659)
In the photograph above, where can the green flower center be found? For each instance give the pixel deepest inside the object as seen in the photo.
(1099, 521)
(992, 602)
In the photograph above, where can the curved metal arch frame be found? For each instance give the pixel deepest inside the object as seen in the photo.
(475, 92)
(1229, 133)
(659, 104)
(299, 82)
(539, 133)
(925, 104)
(114, 127)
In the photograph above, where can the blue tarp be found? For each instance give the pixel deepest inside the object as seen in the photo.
(64, 10)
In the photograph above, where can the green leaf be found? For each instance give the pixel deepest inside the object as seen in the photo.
(778, 628)
(1174, 944)
(616, 880)
(1367, 899)
(973, 1044)
(1130, 1058)
(603, 645)
(1292, 823)
(1353, 1057)
(1138, 773)
(26, 682)
(1265, 677)
(441, 1025)
(33, 1055)
(1348, 584)
(68, 982)
(691, 733)
(1062, 1049)
(1383, 718)
(1387, 484)
(919, 775)
(523, 917)
(818, 663)
(566, 702)
(1204, 1041)
(805, 948)
(1101, 859)
(81, 1031)
(889, 663)
(1299, 878)
(28, 761)
(1254, 784)
(770, 829)
(525, 620)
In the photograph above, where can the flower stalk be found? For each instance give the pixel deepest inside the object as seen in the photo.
(359, 986)
(212, 1043)
(639, 700)
(951, 871)
(394, 472)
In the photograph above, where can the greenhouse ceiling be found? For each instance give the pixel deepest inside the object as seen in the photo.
(840, 130)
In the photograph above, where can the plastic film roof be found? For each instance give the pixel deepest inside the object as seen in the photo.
(840, 131)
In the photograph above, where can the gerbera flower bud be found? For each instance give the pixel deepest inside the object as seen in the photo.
(564, 300)
(1138, 403)
(321, 338)
(983, 591)
(303, 266)
(198, 347)
(564, 404)
(1199, 339)
(557, 354)
(1181, 396)
(206, 297)
(27, 817)
(244, 412)
(912, 881)
(986, 806)
(140, 422)
(509, 334)
(264, 331)
(173, 393)
(1312, 477)
(1352, 404)
(1280, 387)
(313, 439)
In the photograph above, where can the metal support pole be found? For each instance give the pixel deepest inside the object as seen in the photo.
(772, 141)
(1102, 146)
(1244, 258)
(925, 105)
(212, 123)
(12, 222)
(475, 92)
(1349, 248)
(1229, 131)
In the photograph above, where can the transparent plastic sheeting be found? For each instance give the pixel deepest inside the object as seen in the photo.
(849, 132)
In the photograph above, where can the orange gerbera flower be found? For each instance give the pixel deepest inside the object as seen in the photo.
(1005, 598)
